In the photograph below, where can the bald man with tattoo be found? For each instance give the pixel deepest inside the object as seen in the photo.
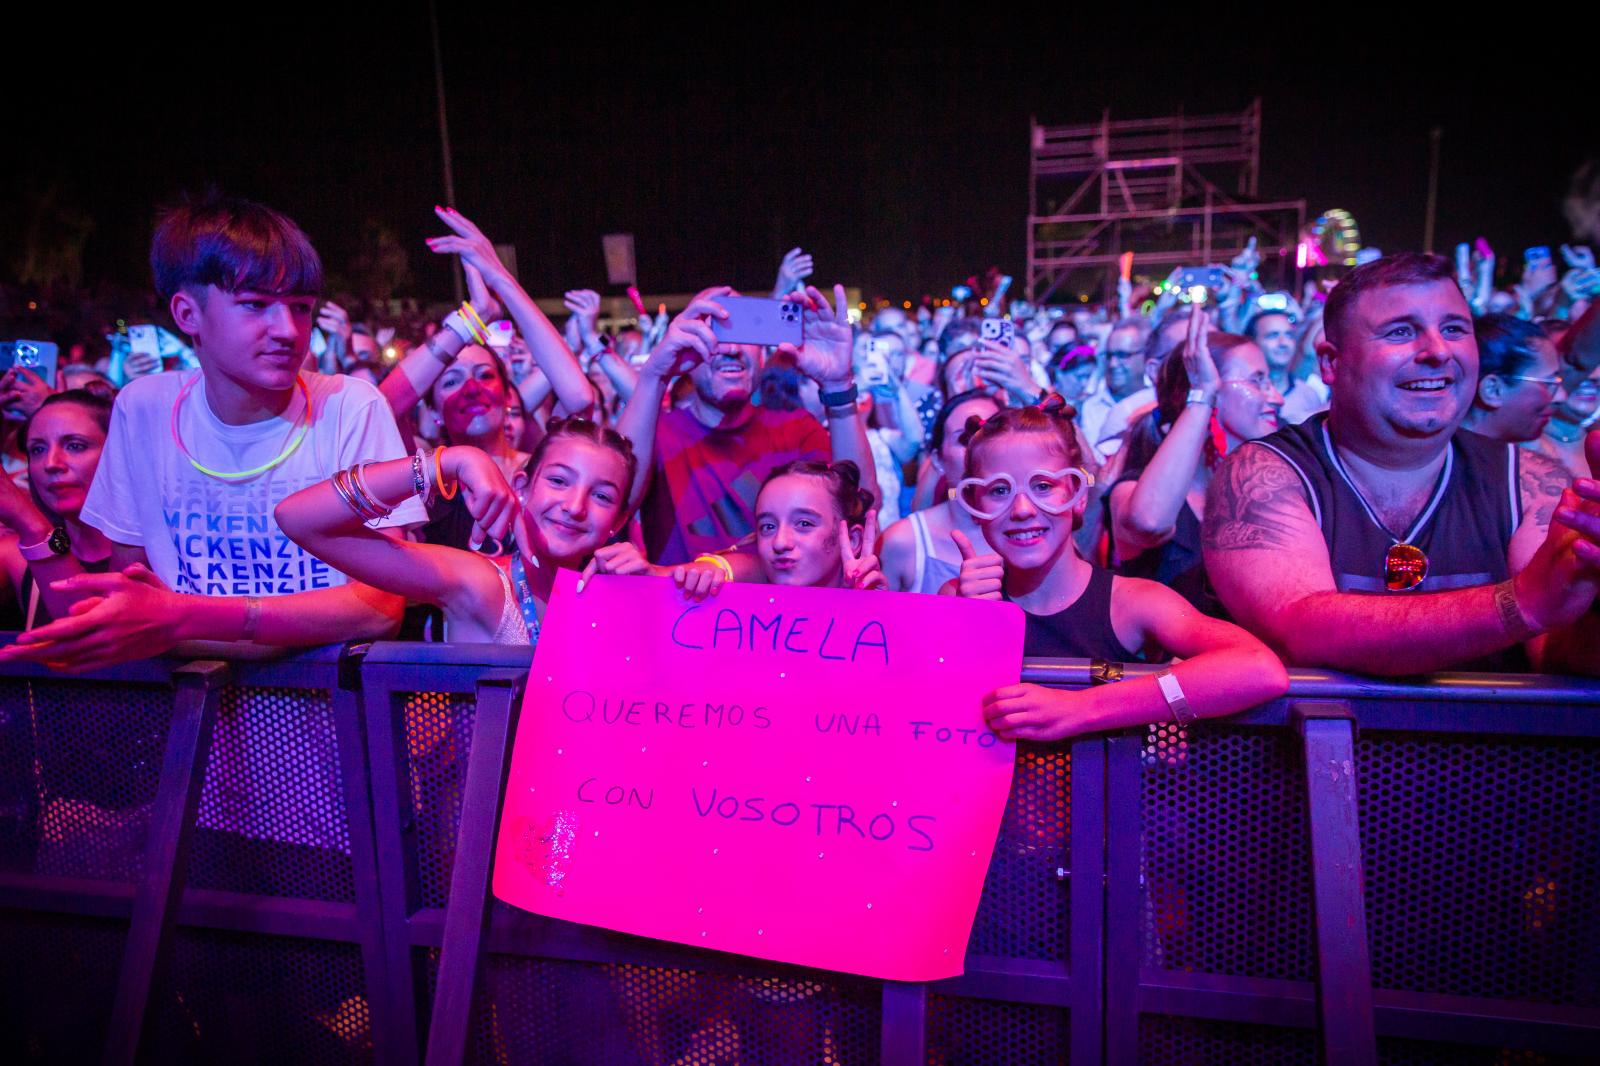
(1382, 538)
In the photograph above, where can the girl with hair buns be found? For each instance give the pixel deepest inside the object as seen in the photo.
(575, 502)
(1026, 486)
(1218, 395)
(815, 527)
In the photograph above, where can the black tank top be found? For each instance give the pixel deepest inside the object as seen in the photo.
(1465, 530)
(1082, 630)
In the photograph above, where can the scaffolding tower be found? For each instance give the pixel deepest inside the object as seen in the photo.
(1153, 187)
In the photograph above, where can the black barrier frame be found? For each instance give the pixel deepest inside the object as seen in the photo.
(1107, 987)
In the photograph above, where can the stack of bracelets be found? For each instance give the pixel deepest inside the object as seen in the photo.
(466, 323)
(351, 485)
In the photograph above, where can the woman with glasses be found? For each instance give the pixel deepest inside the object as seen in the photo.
(1519, 380)
(1562, 439)
(1216, 396)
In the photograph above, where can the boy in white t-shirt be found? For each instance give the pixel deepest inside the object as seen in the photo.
(195, 461)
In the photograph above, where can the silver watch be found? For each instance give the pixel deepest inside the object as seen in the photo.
(1199, 396)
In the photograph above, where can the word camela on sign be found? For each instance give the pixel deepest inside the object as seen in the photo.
(795, 774)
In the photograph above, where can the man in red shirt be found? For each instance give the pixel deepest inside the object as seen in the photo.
(702, 464)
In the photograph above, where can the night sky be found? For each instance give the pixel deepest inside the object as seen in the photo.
(897, 153)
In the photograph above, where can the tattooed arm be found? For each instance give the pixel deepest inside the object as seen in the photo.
(1269, 563)
(1572, 647)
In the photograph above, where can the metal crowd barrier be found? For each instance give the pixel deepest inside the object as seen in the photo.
(288, 862)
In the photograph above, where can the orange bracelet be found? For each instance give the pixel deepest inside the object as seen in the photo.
(438, 479)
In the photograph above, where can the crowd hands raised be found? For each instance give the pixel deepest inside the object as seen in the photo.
(1392, 475)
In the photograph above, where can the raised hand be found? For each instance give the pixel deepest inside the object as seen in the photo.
(585, 307)
(477, 254)
(1464, 268)
(824, 356)
(1581, 283)
(22, 392)
(1537, 276)
(19, 513)
(862, 569)
(982, 576)
(1197, 360)
(1247, 260)
(483, 300)
(795, 268)
(999, 365)
(1578, 256)
(334, 321)
(689, 340)
(1483, 261)
(490, 499)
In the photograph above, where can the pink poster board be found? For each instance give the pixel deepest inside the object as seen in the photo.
(795, 774)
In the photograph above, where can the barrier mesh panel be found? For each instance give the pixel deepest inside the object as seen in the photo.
(79, 765)
(438, 738)
(57, 1012)
(1396, 1052)
(976, 1032)
(1226, 869)
(244, 998)
(1200, 1042)
(1023, 912)
(274, 796)
(549, 1011)
(1483, 865)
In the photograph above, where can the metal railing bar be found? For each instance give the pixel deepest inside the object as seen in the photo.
(172, 825)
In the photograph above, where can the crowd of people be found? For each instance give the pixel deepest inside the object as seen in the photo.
(1392, 474)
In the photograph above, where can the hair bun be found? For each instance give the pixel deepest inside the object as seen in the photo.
(1053, 403)
(974, 423)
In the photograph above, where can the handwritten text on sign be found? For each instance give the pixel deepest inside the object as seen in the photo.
(796, 774)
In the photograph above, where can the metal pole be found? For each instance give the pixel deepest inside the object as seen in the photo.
(1434, 136)
(444, 134)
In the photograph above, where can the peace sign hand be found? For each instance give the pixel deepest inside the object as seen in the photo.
(981, 576)
(863, 570)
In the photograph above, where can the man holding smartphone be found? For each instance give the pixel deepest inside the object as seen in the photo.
(702, 464)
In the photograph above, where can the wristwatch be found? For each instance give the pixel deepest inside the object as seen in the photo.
(52, 547)
(843, 398)
(1199, 396)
